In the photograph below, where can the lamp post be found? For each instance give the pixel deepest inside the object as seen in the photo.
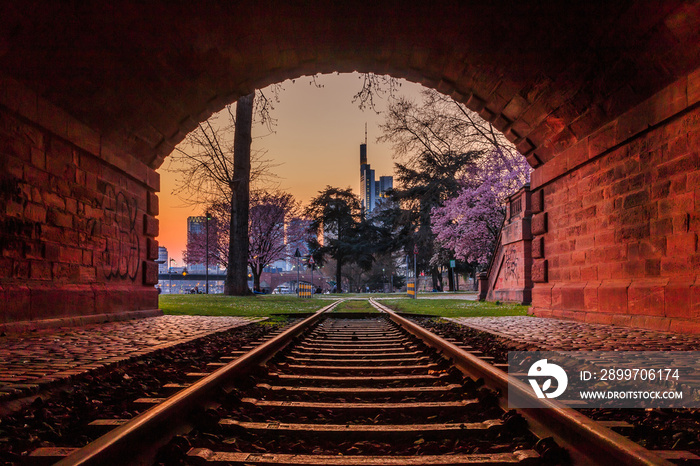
(383, 280)
(170, 275)
(208, 217)
(297, 254)
(313, 287)
(415, 270)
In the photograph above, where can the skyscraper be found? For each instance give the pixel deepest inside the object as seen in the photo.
(372, 192)
(163, 259)
(196, 243)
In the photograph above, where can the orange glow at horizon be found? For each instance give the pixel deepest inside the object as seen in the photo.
(316, 143)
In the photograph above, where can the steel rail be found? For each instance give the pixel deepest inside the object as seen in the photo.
(587, 441)
(137, 441)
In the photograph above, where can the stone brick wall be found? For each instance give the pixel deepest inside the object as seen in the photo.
(77, 225)
(509, 274)
(617, 217)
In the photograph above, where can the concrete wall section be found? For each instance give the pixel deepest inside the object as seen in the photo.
(78, 222)
(616, 228)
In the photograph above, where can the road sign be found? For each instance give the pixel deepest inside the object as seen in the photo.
(311, 260)
(297, 254)
(452, 264)
(415, 249)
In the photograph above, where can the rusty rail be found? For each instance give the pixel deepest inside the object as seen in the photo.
(138, 441)
(587, 441)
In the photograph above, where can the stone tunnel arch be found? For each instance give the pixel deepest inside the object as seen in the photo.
(602, 99)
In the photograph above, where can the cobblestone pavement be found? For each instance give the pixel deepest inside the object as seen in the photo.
(29, 361)
(564, 335)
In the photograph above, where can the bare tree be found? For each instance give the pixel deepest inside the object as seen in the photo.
(217, 169)
(375, 86)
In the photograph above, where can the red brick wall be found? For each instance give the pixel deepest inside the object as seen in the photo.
(509, 274)
(620, 218)
(77, 225)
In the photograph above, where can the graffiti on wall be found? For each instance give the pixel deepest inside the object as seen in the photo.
(120, 258)
(510, 265)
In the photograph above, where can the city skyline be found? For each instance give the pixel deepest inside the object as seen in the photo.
(315, 144)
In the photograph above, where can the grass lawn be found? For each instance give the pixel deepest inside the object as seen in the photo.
(355, 305)
(264, 305)
(220, 305)
(454, 307)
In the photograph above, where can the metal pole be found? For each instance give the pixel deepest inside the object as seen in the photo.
(170, 273)
(415, 271)
(313, 288)
(207, 271)
(297, 276)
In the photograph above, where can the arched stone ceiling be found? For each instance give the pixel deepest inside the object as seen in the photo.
(144, 74)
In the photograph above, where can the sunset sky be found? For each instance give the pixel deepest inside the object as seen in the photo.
(316, 142)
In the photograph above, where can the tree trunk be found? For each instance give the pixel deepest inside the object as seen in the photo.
(256, 277)
(436, 278)
(237, 272)
(451, 279)
(338, 276)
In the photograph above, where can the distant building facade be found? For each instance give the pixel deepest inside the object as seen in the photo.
(196, 230)
(162, 259)
(372, 192)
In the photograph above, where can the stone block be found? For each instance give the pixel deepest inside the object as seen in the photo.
(146, 298)
(539, 271)
(150, 226)
(685, 326)
(694, 87)
(613, 297)
(538, 247)
(646, 297)
(16, 303)
(695, 300)
(40, 270)
(681, 245)
(537, 200)
(152, 203)
(603, 139)
(572, 297)
(598, 318)
(151, 249)
(679, 299)
(114, 299)
(61, 301)
(661, 324)
(542, 295)
(539, 223)
(150, 273)
(622, 320)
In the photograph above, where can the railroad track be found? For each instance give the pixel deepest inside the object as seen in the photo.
(353, 390)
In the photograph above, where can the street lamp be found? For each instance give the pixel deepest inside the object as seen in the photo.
(311, 263)
(170, 274)
(208, 217)
(297, 254)
(383, 280)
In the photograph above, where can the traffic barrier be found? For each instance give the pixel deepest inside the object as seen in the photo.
(411, 290)
(306, 290)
